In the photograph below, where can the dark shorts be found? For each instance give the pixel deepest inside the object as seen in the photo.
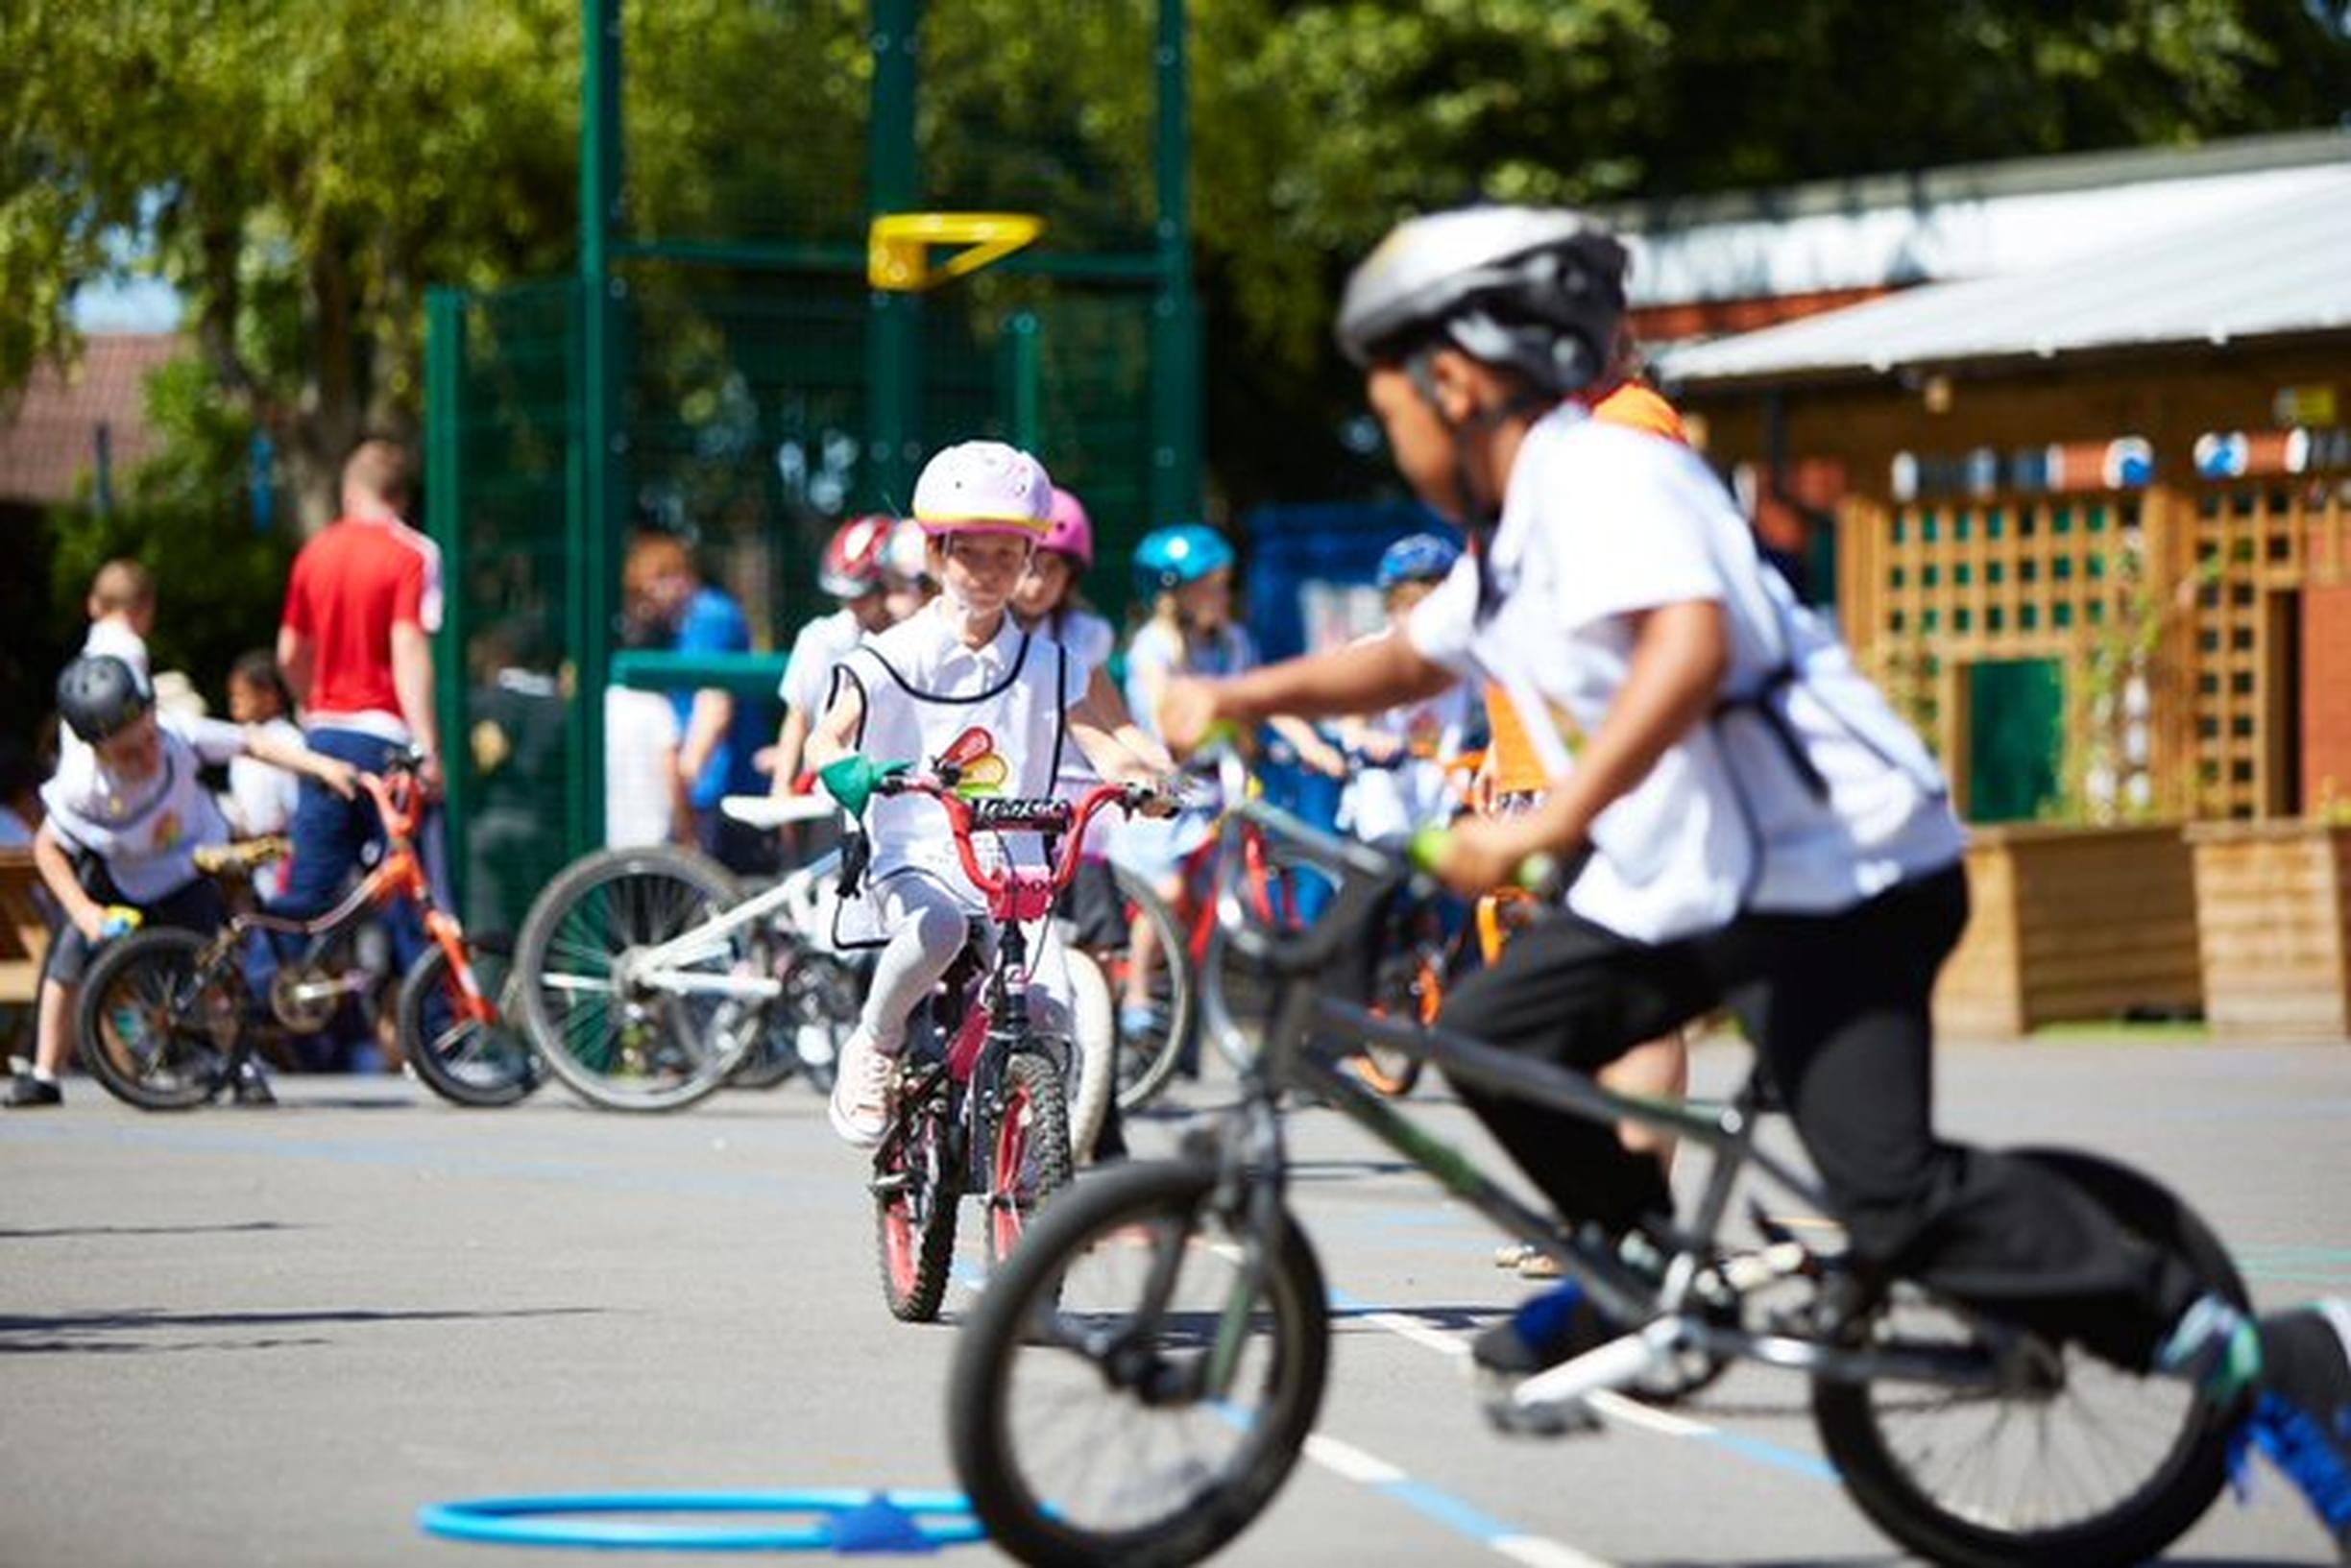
(1094, 905)
(195, 906)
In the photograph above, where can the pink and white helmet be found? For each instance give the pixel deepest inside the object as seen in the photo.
(1069, 531)
(902, 553)
(983, 487)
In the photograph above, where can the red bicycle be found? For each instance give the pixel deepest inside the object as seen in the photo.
(980, 1104)
(165, 1021)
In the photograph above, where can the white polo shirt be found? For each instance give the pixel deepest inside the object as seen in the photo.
(807, 675)
(146, 831)
(1602, 522)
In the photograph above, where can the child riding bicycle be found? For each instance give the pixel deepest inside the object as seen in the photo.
(127, 812)
(1765, 834)
(959, 680)
(1410, 748)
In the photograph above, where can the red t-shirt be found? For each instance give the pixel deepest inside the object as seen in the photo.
(350, 585)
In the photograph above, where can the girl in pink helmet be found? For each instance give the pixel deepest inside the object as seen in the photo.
(960, 675)
(853, 571)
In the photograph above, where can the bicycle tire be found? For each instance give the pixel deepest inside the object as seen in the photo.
(644, 1051)
(1054, 1311)
(1028, 1149)
(478, 1065)
(1413, 986)
(151, 1027)
(1857, 1428)
(914, 1210)
(1093, 1054)
(1146, 1062)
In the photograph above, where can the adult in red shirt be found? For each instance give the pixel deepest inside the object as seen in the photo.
(355, 643)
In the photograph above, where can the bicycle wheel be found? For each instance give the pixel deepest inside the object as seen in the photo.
(465, 1060)
(2080, 1463)
(1148, 1057)
(1079, 1410)
(915, 1194)
(1028, 1149)
(152, 1025)
(606, 1028)
(1411, 986)
(1093, 1054)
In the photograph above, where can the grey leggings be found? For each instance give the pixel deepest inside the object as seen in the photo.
(927, 926)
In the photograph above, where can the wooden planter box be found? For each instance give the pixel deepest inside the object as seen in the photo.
(2270, 897)
(2072, 924)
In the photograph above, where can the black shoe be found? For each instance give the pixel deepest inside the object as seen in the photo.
(251, 1088)
(25, 1090)
(2302, 1419)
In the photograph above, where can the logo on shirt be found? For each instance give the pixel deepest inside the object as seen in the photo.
(169, 829)
(979, 770)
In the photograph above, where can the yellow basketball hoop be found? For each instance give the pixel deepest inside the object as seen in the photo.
(898, 248)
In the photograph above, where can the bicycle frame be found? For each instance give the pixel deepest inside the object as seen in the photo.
(398, 875)
(1253, 1162)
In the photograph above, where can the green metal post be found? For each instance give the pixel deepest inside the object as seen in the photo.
(590, 562)
(1174, 485)
(1023, 377)
(894, 183)
(445, 357)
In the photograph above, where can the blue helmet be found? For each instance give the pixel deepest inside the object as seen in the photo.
(1167, 558)
(1416, 558)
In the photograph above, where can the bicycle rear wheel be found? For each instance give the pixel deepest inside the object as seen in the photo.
(612, 1032)
(465, 1060)
(1411, 986)
(153, 1026)
(1028, 1149)
(1147, 1057)
(2080, 1463)
(1079, 1408)
(916, 1192)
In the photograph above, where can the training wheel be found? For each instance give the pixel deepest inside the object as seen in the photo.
(842, 1519)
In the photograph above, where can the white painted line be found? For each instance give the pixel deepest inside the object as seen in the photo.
(1539, 1553)
(1417, 1332)
(1348, 1460)
(1633, 1414)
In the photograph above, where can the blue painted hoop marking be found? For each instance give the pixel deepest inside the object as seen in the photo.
(940, 1518)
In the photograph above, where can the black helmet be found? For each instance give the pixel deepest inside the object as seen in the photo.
(99, 696)
(1534, 290)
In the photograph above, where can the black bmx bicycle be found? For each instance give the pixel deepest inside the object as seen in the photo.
(1137, 1383)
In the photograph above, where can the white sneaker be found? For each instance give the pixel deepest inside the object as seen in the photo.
(861, 1101)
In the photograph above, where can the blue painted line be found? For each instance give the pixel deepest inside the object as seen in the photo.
(1794, 1460)
(1445, 1508)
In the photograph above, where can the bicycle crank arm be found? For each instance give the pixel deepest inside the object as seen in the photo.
(1612, 1366)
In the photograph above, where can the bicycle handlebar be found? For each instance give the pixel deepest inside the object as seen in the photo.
(1012, 814)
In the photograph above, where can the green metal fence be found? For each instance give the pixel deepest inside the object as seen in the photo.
(719, 368)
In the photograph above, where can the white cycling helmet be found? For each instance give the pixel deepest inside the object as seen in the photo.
(985, 487)
(1534, 290)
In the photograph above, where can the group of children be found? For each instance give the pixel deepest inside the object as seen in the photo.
(128, 805)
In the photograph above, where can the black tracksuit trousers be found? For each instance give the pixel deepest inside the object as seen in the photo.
(1837, 1007)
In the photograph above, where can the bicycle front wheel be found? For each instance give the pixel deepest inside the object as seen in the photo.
(1147, 1057)
(915, 1192)
(466, 1060)
(1029, 1144)
(2072, 1461)
(624, 1035)
(153, 1026)
(1108, 1404)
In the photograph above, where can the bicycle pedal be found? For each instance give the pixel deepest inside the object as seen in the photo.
(1564, 1419)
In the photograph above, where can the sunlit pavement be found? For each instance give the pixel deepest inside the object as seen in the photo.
(236, 1336)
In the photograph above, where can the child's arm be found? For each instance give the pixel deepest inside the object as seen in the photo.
(791, 750)
(334, 772)
(829, 739)
(1105, 709)
(57, 873)
(1313, 750)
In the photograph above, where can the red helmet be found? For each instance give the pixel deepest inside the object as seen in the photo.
(851, 564)
(1068, 530)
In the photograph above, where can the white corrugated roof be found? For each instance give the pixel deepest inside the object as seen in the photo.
(2282, 266)
(1975, 221)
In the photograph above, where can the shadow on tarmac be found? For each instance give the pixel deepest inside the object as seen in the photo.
(83, 1333)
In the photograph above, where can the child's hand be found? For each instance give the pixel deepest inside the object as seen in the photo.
(101, 924)
(1166, 797)
(1379, 748)
(1187, 713)
(1474, 856)
(1323, 758)
(338, 776)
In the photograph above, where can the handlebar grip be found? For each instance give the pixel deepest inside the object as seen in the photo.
(1538, 874)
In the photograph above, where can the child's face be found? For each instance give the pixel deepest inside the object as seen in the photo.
(132, 754)
(982, 569)
(1044, 585)
(1422, 449)
(903, 596)
(1206, 603)
(873, 610)
(250, 702)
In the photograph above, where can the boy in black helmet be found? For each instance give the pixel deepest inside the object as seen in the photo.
(1764, 833)
(125, 815)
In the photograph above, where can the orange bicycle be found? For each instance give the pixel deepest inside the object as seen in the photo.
(167, 1016)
